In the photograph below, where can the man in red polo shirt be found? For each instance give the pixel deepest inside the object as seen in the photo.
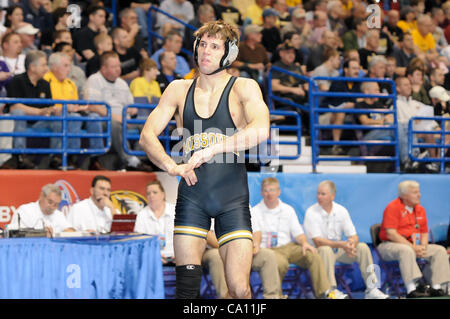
(404, 233)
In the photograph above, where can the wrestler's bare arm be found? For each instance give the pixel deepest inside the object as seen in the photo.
(156, 122)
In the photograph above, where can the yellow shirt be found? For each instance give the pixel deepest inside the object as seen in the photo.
(293, 3)
(254, 13)
(140, 87)
(65, 90)
(407, 26)
(423, 43)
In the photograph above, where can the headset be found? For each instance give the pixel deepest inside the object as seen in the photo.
(230, 54)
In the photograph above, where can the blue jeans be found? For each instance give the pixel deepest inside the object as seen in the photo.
(403, 142)
(54, 126)
(95, 127)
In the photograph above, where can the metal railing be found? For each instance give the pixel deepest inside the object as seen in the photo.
(264, 152)
(64, 134)
(315, 110)
(440, 142)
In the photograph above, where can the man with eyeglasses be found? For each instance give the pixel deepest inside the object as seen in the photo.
(42, 214)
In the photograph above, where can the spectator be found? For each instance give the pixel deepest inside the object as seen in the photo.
(438, 34)
(404, 53)
(106, 85)
(374, 119)
(254, 11)
(264, 262)
(316, 57)
(437, 78)
(226, 12)
(62, 88)
(319, 26)
(335, 22)
(295, 40)
(422, 36)
(407, 108)
(129, 22)
(128, 55)
(355, 38)
(62, 36)
(42, 214)
(103, 43)
(390, 27)
(439, 100)
(168, 63)
(377, 70)
(283, 12)
(27, 35)
(282, 232)
(34, 13)
(60, 17)
(76, 74)
(205, 13)
(270, 34)
(146, 84)
(14, 17)
(408, 21)
(328, 69)
(173, 43)
(242, 5)
(287, 86)
(84, 38)
(404, 236)
(298, 25)
(325, 223)
(351, 70)
(252, 59)
(157, 218)
(180, 9)
(30, 84)
(415, 74)
(94, 214)
(391, 67)
(141, 8)
(12, 53)
(370, 49)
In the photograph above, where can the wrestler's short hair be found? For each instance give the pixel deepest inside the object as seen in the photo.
(225, 30)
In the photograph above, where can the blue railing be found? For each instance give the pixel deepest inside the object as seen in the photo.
(315, 110)
(440, 143)
(64, 134)
(263, 152)
(273, 97)
(152, 34)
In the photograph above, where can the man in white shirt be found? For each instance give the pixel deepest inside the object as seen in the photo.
(325, 223)
(42, 214)
(282, 232)
(106, 85)
(157, 218)
(94, 214)
(12, 53)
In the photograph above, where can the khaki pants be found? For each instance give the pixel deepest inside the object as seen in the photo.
(264, 262)
(437, 272)
(292, 254)
(363, 258)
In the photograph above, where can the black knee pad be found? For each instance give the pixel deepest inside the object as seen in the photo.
(188, 280)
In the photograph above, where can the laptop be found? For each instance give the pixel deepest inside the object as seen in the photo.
(123, 223)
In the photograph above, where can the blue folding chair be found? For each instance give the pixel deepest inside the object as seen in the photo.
(297, 283)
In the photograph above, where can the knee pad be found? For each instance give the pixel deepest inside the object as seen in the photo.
(188, 280)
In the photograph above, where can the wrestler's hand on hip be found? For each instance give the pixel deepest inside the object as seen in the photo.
(186, 171)
(202, 156)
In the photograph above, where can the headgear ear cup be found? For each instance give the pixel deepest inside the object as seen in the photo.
(233, 52)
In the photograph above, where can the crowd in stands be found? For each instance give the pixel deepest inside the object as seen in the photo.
(311, 38)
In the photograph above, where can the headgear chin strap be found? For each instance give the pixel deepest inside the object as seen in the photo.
(230, 54)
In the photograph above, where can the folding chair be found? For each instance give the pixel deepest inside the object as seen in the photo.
(207, 290)
(340, 270)
(297, 283)
(169, 276)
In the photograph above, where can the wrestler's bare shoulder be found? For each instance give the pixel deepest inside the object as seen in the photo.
(244, 86)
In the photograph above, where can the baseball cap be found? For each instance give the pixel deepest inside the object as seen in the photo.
(27, 29)
(252, 28)
(438, 92)
(270, 12)
(286, 46)
(299, 13)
